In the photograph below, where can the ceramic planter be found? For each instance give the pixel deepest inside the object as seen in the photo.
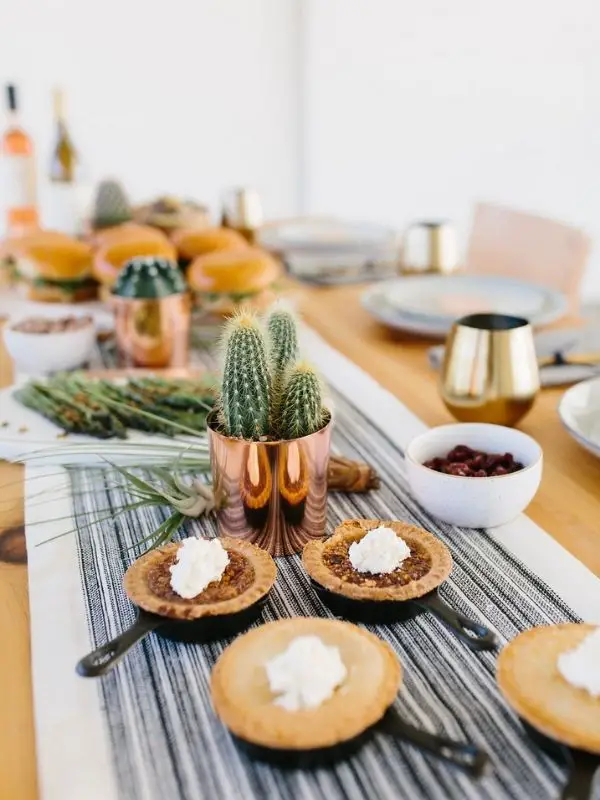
(273, 494)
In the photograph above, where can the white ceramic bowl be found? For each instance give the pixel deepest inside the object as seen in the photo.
(474, 502)
(43, 353)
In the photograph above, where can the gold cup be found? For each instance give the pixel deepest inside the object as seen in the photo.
(152, 332)
(490, 371)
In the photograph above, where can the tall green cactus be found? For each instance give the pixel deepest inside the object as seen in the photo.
(246, 391)
(301, 411)
(283, 350)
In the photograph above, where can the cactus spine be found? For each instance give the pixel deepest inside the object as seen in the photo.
(283, 350)
(246, 390)
(301, 411)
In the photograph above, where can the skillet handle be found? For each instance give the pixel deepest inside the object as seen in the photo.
(475, 635)
(105, 657)
(464, 755)
(583, 767)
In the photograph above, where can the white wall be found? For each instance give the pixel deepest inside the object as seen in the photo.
(184, 97)
(387, 110)
(417, 108)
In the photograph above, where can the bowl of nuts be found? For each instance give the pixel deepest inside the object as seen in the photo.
(474, 475)
(40, 345)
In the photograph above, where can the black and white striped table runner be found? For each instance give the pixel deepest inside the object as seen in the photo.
(164, 738)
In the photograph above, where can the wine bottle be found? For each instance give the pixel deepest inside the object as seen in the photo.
(64, 157)
(18, 181)
(62, 197)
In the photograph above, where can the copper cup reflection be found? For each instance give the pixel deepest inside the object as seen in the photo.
(490, 371)
(273, 494)
(152, 332)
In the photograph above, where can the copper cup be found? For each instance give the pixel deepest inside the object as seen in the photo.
(273, 494)
(490, 371)
(152, 332)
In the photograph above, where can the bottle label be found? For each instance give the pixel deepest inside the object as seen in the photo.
(17, 182)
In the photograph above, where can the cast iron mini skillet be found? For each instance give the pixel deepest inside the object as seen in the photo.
(464, 755)
(380, 603)
(581, 766)
(386, 612)
(564, 720)
(197, 631)
(187, 620)
(364, 704)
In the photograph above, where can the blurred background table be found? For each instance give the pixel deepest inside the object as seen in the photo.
(567, 505)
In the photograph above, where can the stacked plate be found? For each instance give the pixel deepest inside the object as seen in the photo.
(329, 251)
(428, 305)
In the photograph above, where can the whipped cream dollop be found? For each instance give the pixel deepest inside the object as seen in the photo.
(380, 551)
(199, 562)
(581, 666)
(305, 674)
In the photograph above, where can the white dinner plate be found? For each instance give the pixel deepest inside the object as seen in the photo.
(24, 434)
(429, 304)
(325, 236)
(579, 411)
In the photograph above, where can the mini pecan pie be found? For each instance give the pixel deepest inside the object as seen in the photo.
(529, 678)
(248, 577)
(243, 700)
(328, 563)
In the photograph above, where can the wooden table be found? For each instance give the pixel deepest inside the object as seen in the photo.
(567, 505)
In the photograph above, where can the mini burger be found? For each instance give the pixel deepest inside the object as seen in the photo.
(110, 258)
(224, 280)
(52, 267)
(194, 242)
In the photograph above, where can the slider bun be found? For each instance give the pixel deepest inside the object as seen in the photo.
(110, 258)
(129, 231)
(50, 255)
(199, 241)
(245, 271)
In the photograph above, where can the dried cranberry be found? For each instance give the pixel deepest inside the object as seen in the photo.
(469, 463)
(459, 453)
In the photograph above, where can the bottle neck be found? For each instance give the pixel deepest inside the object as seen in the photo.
(12, 118)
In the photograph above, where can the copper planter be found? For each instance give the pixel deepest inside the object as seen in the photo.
(152, 332)
(273, 494)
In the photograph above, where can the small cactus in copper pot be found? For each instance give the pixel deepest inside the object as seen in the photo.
(270, 438)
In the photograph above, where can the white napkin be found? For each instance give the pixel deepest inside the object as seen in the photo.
(567, 342)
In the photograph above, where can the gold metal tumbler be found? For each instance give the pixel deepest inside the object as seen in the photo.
(490, 371)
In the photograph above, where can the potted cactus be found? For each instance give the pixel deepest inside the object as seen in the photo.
(111, 206)
(269, 437)
(152, 313)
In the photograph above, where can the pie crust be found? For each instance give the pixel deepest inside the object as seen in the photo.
(353, 530)
(139, 578)
(243, 701)
(529, 679)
